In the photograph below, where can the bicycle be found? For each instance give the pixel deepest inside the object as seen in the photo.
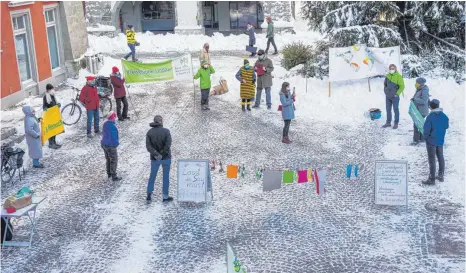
(71, 113)
(12, 159)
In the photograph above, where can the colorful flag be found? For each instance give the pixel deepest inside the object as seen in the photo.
(272, 180)
(302, 176)
(259, 173)
(310, 175)
(320, 177)
(288, 177)
(232, 171)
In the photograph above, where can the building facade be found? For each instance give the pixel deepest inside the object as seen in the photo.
(37, 46)
(194, 17)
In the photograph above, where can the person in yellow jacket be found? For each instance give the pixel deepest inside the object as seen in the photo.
(131, 40)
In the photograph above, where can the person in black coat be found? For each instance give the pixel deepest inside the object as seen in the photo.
(49, 101)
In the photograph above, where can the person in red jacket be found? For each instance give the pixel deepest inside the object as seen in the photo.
(119, 92)
(90, 98)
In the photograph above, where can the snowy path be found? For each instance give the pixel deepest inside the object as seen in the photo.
(89, 224)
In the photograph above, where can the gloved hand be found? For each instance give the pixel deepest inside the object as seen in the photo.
(158, 157)
(44, 109)
(40, 119)
(59, 105)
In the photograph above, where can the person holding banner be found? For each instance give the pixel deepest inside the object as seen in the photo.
(119, 92)
(247, 78)
(32, 135)
(421, 100)
(109, 143)
(204, 73)
(90, 98)
(49, 101)
(393, 87)
(435, 128)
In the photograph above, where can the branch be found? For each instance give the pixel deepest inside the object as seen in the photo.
(441, 40)
(336, 10)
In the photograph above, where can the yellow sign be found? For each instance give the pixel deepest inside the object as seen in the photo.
(51, 124)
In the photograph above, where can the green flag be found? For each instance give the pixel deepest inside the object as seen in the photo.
(135, 72)
(417, 117)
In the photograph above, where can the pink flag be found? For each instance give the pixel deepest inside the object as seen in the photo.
(302, 176)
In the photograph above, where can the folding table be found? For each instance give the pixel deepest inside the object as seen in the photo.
(18, 214)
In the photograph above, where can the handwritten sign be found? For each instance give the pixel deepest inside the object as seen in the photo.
(391, 183)
(193, 180)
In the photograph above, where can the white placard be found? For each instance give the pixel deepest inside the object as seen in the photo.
(183, 67)
(359, 62)
(391, 183)
(193, 179)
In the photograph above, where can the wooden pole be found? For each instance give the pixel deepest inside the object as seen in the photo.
(369, 83)
(329, 88)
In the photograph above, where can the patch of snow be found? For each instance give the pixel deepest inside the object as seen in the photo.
(100, 27)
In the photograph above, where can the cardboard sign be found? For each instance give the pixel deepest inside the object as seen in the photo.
(51, 124)
(391, 183)
(193, 180)
(418, 119)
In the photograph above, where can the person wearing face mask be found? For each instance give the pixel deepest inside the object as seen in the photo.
(287, 109)
(119, 92)
(252, 38)
(204, 73)
(205, 55)
(32, 135)
(247, 78)
(90, 98)
(270, 36)
(49, 101)
(421, 100)
(393, 87)
(131, 40)
(263, 67)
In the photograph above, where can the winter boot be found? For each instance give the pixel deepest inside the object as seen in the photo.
(203, 107)
(90, 136)
(275, 53)
(149, 196)
(386, 125)
(440, 177)
(395, 126)
(207, 107)
(414, 143)
(429, 181)
(40, 166)
(269, 107)
(286, 140)
(116, 178)
(255, 106)
(169, 199)
(249, 107)
(243, 108)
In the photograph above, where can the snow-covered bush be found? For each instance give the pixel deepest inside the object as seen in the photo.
(294, 54)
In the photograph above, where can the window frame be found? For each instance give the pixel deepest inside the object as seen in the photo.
(28, 31)
(55, 23)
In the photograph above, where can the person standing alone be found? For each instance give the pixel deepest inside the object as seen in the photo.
(158, 144)
(110, 142)
(393, 87)
(131, 40)
(435, 128)
(270, 36)
(252, 38)
(119, 92)
(287, 101)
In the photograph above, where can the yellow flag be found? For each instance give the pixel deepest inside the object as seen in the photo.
(51, 124)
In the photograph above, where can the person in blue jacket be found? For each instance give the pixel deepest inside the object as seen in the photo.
(252, 37)
(435, 128)
(287, 110)
(110, 142)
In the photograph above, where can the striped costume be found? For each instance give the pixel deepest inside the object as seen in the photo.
(247, 89)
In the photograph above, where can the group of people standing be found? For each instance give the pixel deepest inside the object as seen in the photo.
(435, 124)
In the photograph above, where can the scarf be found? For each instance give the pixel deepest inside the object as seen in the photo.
(48, 96)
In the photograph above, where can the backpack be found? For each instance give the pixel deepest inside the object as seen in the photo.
(9, 234)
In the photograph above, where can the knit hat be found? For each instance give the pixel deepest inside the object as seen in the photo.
(90, 78)
(112, 115)
(269, 18)
(246, 61)
(260, 52)
(130, 26)
(115, 69)
(421, 80)
(48, 87)
(434, 104)
(203, 62)
(158, 119)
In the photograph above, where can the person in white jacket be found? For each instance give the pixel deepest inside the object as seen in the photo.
(205, 55)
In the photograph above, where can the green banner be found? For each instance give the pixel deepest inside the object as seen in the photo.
(417, 117)
(135, 72)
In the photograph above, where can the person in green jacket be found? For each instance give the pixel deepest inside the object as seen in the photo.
(204, 73)
(393, 87)
(270, 36)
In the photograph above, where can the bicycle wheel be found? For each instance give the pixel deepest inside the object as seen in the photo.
(7, 173)
(71, 113)
(105, 107)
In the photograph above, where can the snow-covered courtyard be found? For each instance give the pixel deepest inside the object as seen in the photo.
(91, 224)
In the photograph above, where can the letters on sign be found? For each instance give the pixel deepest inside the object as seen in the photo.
(391, 183)
(193, 180)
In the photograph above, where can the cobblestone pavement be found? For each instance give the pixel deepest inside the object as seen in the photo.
(89, 224)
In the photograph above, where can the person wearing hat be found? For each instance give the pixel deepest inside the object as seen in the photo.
(131, 40)
(109, 143)
(270, 36)
(204, 73)
(252, 37)
(205, 54)
(50, 101)
(158, 144)
(287, 110)
(393, 87)
(90, 98)
(435, 128)
(247, 77)
(421, 100)
(119, 92)
(263, 68)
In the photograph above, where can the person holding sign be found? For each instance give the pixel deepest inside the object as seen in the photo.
(435, 128)
(50, 101)
(421, 100)
(264, 69)
(158, 144)
(393, 87)
(32, 135)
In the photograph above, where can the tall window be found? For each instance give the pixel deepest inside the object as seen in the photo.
(23, 53)
(52, 37)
